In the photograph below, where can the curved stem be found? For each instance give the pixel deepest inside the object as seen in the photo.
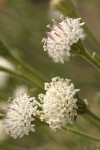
(85, 54)
(23, 76)
(81, 134)
(34, 80)
(25, 71)
(92, 121)
(31, 76)
(83, 106)
(4, 51)
(27, 67)
(92, 115)
(11, 72)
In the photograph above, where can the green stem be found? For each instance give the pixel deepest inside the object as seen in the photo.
(28, 71)
(83, 109)
(92, 115)
(81, 134)
(85, 54)
(11, 72)
(35, 79)
(23, 76)
(27, 67)
(92, 121)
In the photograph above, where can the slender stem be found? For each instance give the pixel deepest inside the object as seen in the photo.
(92, 115)
(23, 76)
(81, 134)
(27, 67)
(27, 73)
(32, 74)
(92, 121)
(83, 109)
(91, 59)
(5, 51)
(11, 72)
(35, 79)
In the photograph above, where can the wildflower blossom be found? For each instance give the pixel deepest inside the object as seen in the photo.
(58, 104)
(20, 115)
(61, 37)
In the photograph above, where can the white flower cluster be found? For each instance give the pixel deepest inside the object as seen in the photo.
(58, 104)
(57, 108)
(62, 36)
(20, 115)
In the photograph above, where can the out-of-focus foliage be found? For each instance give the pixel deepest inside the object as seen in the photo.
(97, 97)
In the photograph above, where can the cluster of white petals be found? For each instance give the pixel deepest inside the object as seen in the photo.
(20, 115)
(58, 104)
(61, 37)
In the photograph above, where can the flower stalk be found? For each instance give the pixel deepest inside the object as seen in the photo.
(5, 52)
(92, 121)
(78, 49)
(91, 59)
(25, 71)
(27, 68)
(81, 134)
(23, 76)
(83, 109)
(92, 115)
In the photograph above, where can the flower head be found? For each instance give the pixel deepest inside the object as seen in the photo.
(58, 104)
(62, 36)
(20, 115)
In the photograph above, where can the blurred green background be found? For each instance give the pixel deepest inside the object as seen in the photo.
(22, 26)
